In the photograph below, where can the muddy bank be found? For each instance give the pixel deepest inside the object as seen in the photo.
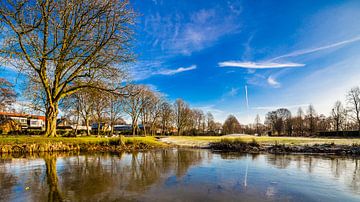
(253, 147)
(67, 147)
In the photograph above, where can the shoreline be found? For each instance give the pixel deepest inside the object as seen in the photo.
(29, 145)
(255, 148)
(282, 145)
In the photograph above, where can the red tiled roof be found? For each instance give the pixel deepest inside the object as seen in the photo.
(22, 115)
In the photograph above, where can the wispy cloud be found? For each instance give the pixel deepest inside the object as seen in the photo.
(267, 108)
(230, 93)
(268, 64)
(259, 65)
(233, 92)
(273, 82)
(176, 71)
(180, 33)
(316, 49)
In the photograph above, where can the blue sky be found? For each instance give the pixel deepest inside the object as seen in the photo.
(287, 53)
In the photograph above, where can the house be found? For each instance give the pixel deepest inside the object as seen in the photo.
(26, 121)
(103, 127)
(64, 124)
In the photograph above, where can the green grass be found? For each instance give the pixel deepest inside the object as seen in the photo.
(78, 140)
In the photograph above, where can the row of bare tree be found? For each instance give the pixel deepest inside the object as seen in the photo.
(342, 118)
(141, 105)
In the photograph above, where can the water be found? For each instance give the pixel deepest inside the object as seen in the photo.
(179, 175)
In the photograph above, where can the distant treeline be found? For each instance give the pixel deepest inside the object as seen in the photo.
(342, 121)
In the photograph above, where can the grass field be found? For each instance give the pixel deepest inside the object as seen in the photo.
(188, 141)
(203, 141)
(77, 140)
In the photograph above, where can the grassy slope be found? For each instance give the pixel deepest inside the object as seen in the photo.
(177, 140)
(202, 140)
(78, 140)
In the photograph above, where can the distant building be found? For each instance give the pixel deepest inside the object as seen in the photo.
(26, 121)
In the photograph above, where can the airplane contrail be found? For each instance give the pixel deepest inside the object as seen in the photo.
(312, 50)
(246, 97)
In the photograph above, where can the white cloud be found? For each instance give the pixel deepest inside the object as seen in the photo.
(259, 65)
(273, 82)
(176, 71)
(178, 33)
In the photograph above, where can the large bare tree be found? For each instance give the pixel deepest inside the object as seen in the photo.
(66, 45)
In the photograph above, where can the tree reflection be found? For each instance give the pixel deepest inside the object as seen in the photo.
(110, 177)
(280, 161)
(52, 178)
(355, 180)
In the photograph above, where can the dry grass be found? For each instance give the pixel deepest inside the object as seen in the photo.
(203, 140)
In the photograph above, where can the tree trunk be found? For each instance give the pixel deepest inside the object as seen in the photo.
(98, 128)
(133, 128)
(144, 125)
(50, 122)
(112, 128)
(87, 127)
(77, 123)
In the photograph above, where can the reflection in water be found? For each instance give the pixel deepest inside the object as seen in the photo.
(185, 175)
(52, 178)
(7, 181)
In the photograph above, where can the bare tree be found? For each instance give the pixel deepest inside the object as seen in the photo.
(65, 46)
(7, 94)
(84, 103)
(198, 118)
(133, 104)
(299, 122)
(323, 123)
(338, 114)
(166, 117)
(353, 99)
(210, 122)
(280, 121)
(257, 123)
(101, 106)
(271, 120)
(231, 125)
(182, 114)
(285, 115)
(115, 111)
(311, 118)
(150, 110)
